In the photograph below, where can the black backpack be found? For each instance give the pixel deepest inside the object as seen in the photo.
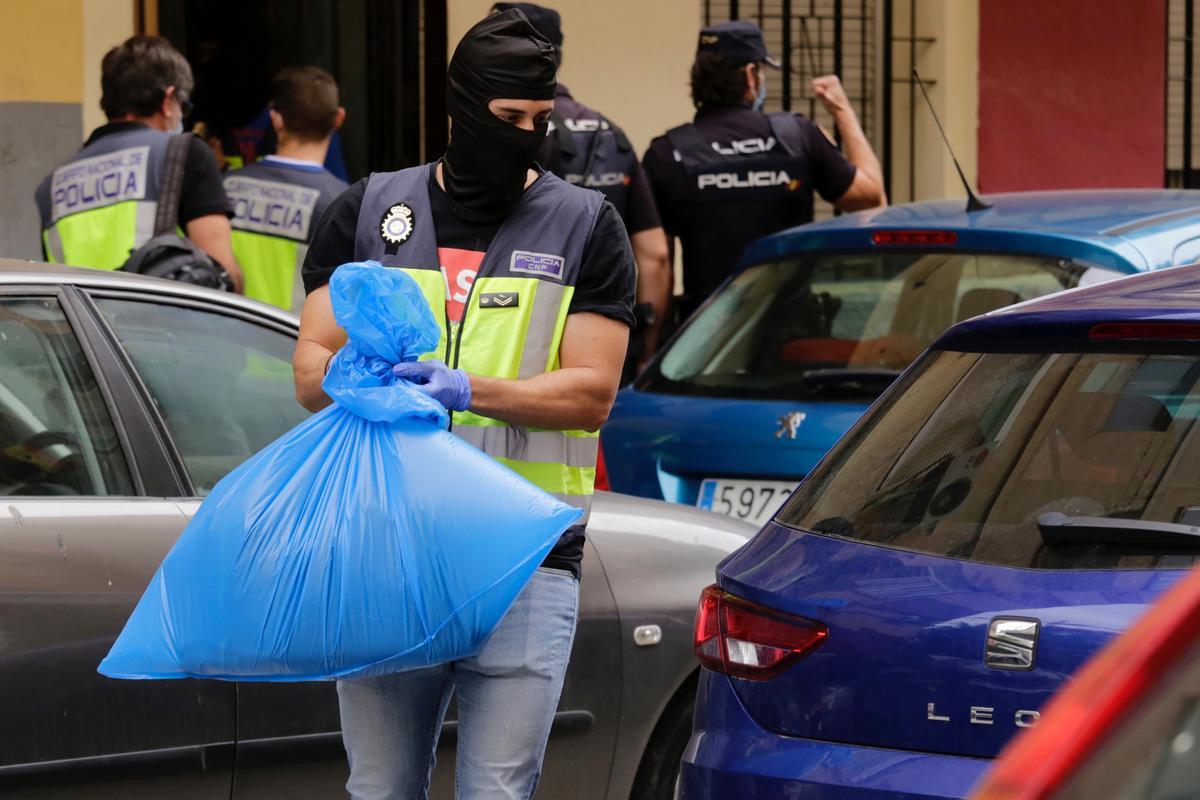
(167, 254)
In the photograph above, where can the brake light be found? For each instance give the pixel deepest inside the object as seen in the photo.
(743, 639)
(602, 484)
(915, 238)
(1146, 330)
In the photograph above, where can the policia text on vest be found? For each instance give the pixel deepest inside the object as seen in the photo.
(101, 205)
(276, 204)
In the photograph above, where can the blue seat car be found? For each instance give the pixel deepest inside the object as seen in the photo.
(1017, 497)
(782, 360)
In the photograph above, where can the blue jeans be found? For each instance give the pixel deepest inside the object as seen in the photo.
(507, 695)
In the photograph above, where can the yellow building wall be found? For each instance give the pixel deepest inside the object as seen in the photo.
(41, 51)
(949, 64)
(107, 23)
(625, 58)
(50, 52)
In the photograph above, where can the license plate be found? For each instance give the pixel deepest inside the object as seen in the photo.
(753, 501)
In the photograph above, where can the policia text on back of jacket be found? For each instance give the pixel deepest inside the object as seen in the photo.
(736, 174)
(278, 200)
(101, 205)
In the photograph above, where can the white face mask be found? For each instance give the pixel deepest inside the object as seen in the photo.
(177, 127)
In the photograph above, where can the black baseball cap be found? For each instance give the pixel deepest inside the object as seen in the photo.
(546, 20)
(741, 42)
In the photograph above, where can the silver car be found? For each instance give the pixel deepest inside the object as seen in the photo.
(123, 400)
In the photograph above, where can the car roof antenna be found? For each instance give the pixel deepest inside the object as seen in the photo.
(973, 202)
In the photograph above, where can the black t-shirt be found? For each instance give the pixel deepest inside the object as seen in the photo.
(640, 213)
(716, 224)
(202, 193)
(606, 284)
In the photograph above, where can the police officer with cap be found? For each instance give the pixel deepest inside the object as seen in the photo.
(736, 174)
(587, 149)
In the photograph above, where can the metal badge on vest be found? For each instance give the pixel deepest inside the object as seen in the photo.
(396, 226)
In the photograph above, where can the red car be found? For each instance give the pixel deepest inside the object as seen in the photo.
(1127, 726)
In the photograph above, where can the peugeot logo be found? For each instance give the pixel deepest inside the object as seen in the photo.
(1011, 643)
(789, 424)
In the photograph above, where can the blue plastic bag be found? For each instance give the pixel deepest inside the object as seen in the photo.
(367, 540)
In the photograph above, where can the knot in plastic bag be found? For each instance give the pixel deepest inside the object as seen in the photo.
(387, 320)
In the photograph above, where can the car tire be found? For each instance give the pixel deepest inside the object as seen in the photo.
(659, 770)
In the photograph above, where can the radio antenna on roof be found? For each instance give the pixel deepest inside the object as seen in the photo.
(973, 202)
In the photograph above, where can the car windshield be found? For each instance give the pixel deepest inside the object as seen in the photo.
(966, 456)
(843, 324)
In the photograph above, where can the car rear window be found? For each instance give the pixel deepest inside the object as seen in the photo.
(963, 458)
(843, 324)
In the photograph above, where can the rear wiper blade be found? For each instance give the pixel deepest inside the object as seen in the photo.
(1059, 528)
(829, 377)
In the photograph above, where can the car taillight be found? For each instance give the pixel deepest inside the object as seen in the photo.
(915, 238)
(746, 640)
(1185, 331)
(602, 484)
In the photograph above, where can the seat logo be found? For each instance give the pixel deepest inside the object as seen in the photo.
(789, 424)
(1011, 643)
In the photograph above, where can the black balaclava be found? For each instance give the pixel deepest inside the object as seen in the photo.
(487, 159)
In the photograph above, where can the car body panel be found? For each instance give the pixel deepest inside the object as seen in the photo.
(71, 574)
(1138, 228)
(672, 443)
(288, 742)
(653, 582)
(660, 445)
(900, 623)
(734, 757)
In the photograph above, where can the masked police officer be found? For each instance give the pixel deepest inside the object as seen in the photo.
(278, 200)
(101, 205)
(735, 173)
(534, 280)
(585, 148)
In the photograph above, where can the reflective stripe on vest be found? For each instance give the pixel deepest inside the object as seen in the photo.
(271, 266)
(100, 206)
(514, 317)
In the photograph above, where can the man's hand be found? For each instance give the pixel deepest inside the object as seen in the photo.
(866, 190)
(828, 89)
(450, 387)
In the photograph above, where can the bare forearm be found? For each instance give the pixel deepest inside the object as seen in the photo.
(309, 363)
(858, 149)
(573, 398)
(652, 252)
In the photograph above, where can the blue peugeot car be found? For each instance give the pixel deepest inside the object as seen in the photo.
(783, 359)
(1023, 491)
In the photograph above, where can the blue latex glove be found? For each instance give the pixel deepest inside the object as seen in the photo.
(450, 387)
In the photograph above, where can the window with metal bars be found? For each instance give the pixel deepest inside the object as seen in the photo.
(1182, 151)
(811, 38)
